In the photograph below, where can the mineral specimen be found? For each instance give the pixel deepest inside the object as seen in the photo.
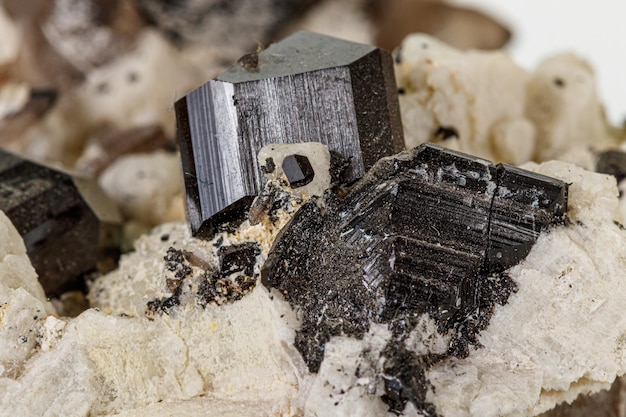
(427, 231)
(303, 169)
(68, 225)
(306, 88)
(192, 363)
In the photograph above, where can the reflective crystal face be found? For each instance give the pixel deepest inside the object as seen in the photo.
(298, 170)
(430, 231)
(68, 225)
(306, 88)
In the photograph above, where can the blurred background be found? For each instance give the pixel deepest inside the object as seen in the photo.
(593, 29)
(84, 83)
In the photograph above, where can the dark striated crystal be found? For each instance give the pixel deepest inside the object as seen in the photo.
(523, 204)
(429, 231)
(298, 170)
(69, 226)
(308, 87)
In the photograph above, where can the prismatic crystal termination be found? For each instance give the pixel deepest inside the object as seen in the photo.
(428, 231)
(68, 224)
(306, 88)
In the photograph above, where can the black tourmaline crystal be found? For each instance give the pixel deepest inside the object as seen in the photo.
(428, 231)
(69, 226)
(306, 88)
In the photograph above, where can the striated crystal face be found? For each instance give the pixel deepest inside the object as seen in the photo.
(69, 226)
(428, 231)
(306, 88)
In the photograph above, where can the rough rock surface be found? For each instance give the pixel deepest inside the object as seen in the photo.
(22, 302)
(484, 104)
(478, 95)
(117, 360)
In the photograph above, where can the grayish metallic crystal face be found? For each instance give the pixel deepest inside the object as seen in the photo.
(68, 224)
(306, 88)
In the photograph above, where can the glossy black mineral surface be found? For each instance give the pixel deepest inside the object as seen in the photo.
(428, 231)
(69, 226)
(298, 170)
(306, 88)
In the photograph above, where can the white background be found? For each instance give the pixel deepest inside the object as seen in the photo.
(595, 30)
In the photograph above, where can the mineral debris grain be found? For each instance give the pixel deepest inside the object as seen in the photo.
(306, 88)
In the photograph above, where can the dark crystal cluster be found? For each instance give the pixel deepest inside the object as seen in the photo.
(424, 232)
(230, 281)
(306, 88)
(69, 226)
(429, 231)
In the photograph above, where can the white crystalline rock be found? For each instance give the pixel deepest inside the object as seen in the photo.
(146, 187)
(564, 331)
(107, 364)
(235, 359)
(338, 390)
(479, 94)
(349, 381)
(562, 102)
(22, 302)
(139, 277)
(500, 111)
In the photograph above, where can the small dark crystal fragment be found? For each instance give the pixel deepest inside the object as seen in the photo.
(444, 133)
(68, 224)
(176, 262)
(428, 231)
(298, 170)
(307, 88)
(238, 259)
(249, 61)
(612, 162)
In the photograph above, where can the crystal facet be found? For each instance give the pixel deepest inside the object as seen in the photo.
(428, 231)
(306, 88)
(69, 226)
(298, 170)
